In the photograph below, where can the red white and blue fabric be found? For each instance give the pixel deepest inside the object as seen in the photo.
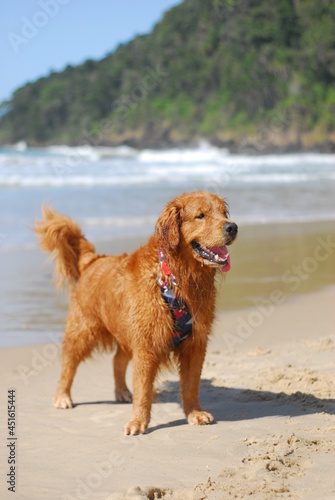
(182, 319)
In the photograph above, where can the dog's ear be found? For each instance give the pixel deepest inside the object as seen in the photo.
(168, 226)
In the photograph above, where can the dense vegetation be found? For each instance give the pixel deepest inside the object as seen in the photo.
(246, 72)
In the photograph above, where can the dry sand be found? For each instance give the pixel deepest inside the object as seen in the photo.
(271, 392)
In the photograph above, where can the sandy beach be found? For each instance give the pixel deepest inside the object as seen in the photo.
(111, 129)
(269, 380)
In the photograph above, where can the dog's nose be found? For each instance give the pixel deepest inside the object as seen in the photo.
(230, 228)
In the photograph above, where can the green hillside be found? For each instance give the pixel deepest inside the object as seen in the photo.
(242, 73)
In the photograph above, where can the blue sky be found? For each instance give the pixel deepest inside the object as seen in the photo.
(42, 35)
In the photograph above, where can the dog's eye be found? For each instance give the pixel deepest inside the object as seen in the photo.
(200, 216)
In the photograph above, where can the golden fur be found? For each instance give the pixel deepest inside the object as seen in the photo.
(116, 303)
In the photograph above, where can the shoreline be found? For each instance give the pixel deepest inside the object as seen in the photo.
(230, 317)
(240, 146)
(269, 263)
(272, 393)
(287, 259)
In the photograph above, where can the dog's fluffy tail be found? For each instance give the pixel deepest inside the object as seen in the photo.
(62, 237)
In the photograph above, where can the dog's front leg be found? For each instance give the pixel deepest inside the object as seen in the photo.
(144, 372)
(191, 358)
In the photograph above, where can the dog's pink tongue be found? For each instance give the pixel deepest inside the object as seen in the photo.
(223, 254)
(226, 267)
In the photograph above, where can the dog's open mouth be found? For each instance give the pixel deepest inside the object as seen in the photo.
(215, 255)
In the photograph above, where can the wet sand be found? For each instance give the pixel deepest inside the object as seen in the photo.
(291, 259)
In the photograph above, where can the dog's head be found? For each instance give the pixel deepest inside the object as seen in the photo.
(198, 224)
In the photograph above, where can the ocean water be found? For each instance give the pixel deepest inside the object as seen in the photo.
(116, 195)
(118, 191)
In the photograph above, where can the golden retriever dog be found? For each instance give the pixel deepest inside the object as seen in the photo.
(154, 306)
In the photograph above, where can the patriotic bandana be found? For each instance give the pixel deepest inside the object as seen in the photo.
(182, 319)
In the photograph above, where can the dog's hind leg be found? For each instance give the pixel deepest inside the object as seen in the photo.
(120, 363)
(76, 347)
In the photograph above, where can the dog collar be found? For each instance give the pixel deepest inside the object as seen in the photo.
(182, 319)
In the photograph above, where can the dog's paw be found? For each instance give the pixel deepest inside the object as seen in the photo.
(134, 427)
(199, 418)
(123, 396)
(63, 401)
